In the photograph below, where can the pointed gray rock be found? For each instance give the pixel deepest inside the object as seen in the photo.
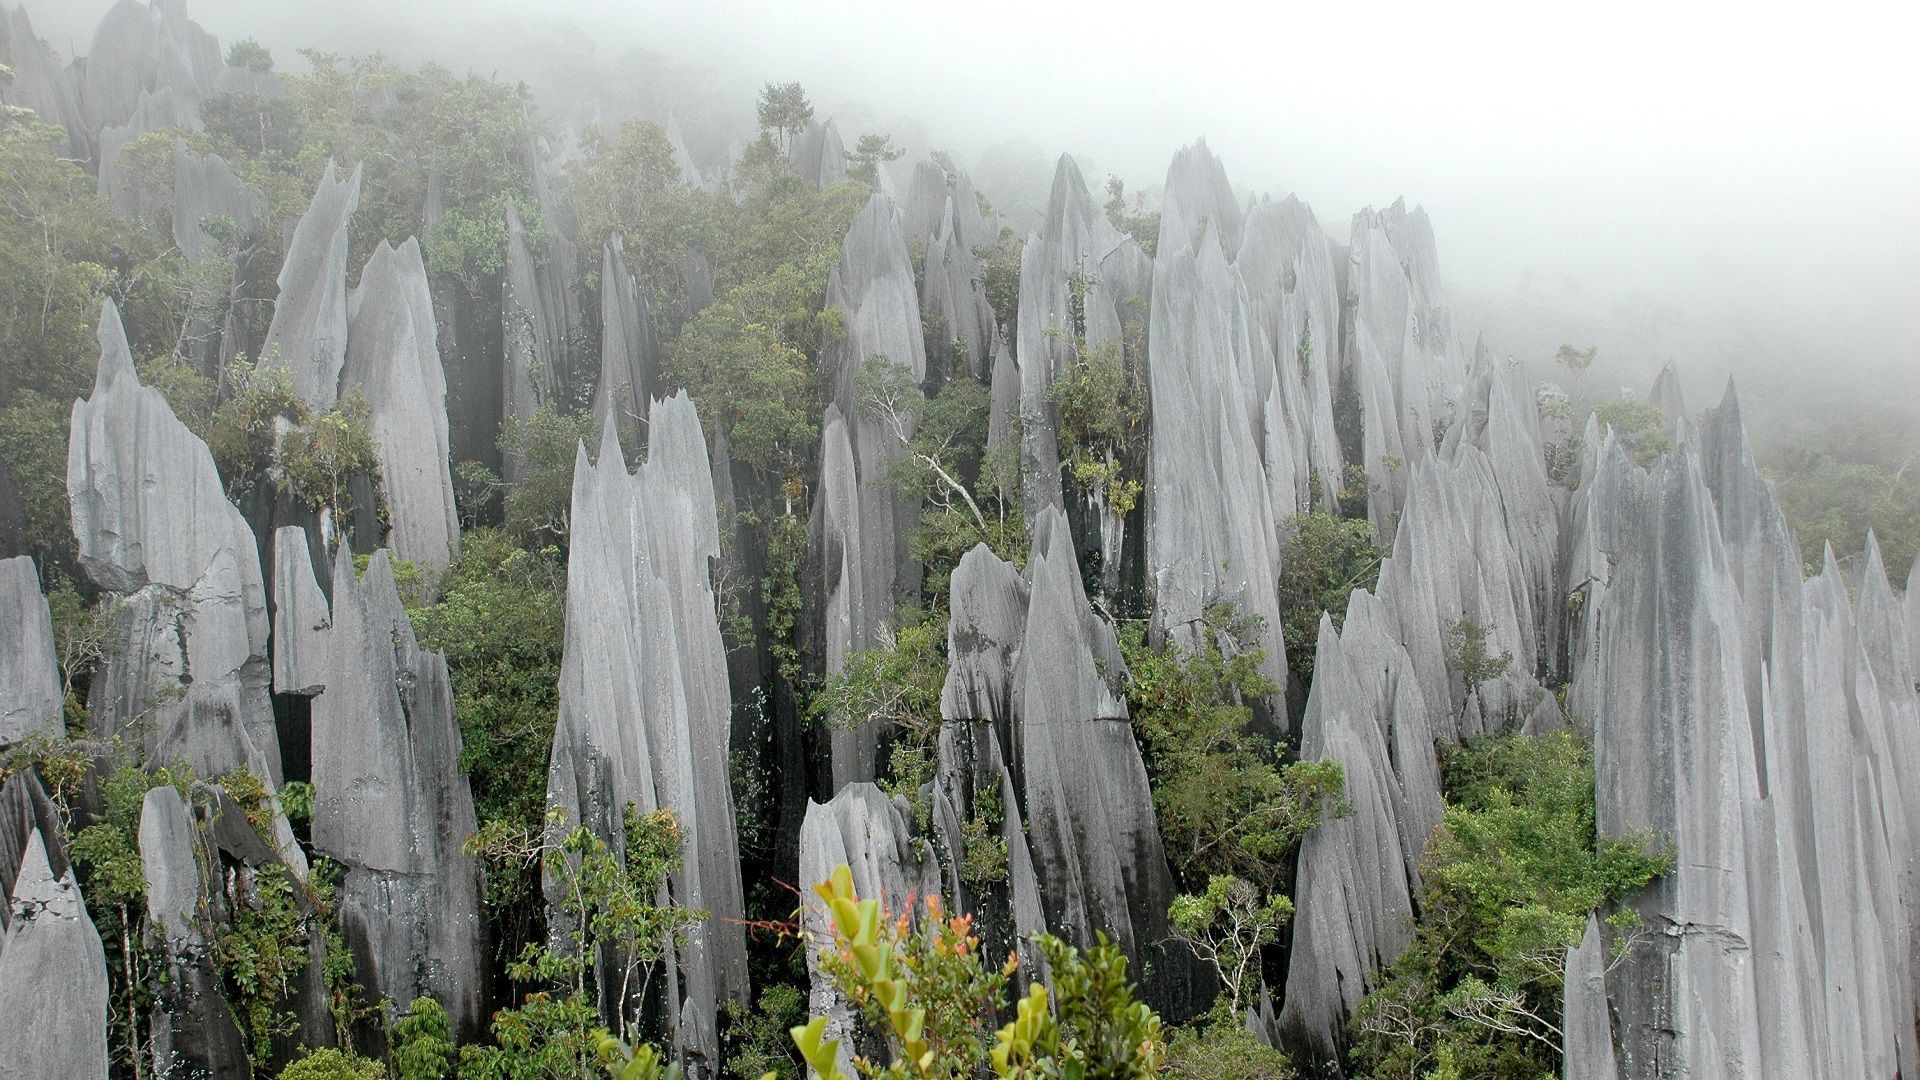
(392, 804)
(193, 1031)
(162, 110)
(1586, 1035)
(819, 153)
(53, 976)
(1287, 264)
(645, 709)
(1666, 397)
(32, 701)
(629, 351)
(40, 82)
(393, 363)
(308, 334)
(301, 617)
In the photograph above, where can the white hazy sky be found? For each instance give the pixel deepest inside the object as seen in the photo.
(1759, 155)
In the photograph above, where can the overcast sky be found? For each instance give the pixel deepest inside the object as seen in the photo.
(1746, 161)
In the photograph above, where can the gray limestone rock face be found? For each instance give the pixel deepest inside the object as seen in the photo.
(53, 975)
(1211, 535)
(1094, 835)
(629, 349)
(1003, 414)
(872, 835)
(32, 700)
(152, 522)
(1912, 605)
(645, 710)
(1197, 200)
(1076, 244)
(837, 549)
(140, 48)
(194, 1032)
(161, 110)
(873, 288)
(819, 153)
(208, 199)
(1354, 900)
(953, 299)
(1666, 397)
(25, 812)
(974, 785)
(1586, 1034)
(40, 82)
(393, 363)
(540, 307)
(1674, 759)
(301, 617)
(392, 804)
(1287, 264)
(308, 334)
(682, 160)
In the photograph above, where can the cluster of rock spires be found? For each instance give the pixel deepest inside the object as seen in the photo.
(1764, 726)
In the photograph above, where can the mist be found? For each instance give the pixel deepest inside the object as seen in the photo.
(1739, 195)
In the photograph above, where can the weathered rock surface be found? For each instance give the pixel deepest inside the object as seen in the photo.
(393, 362)
(40, 82)
(1091, 824)
(32, 701)
(53, 971)
(629, 349)
(1354, 899)
(301, 616)
(161, 110)
(873, 288)
(645, 715)
(308, 335)
(391, 802)
(140, 48)
(819, 153)
(194, 1032)
(1586, 1035)
(1211, 524)
(872, 835)
(953, 299)
(152, 520)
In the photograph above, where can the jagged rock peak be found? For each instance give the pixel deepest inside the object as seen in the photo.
(393, 362)
(629, 349)
(645, 708)
(147, 503)
(205, 187)
(308, 334)
(1586, 1033)
(391, 802)
(1197, 201)
(31, 699)
(53, 974)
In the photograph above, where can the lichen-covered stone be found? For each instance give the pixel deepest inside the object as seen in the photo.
(393, 363)
(32, 701)
(308, 334)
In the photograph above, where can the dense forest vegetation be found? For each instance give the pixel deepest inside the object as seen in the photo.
(739, 275)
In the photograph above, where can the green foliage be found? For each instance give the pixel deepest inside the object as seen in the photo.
(545, 446)
(1465, 648)
(1101, 402)
(243, 433)
(1226, 802)
(259, 954)
(332, 1064)
(1141, 224)
(626, 183)
(1838, 480)
(895, 687)
(943, 439)
(1575, 359)
(501, 620)
(761, 1041)
(320, 458)
(1326, 558)
(1222, 1052)
(1638, 425)
(783, 110)
(1508, 880)
(925, 990)
(1227, 926)
(251, 55)
(552, 1035)
(422, 1042)
(864, 160)
(1000, 277)
(747, 381)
